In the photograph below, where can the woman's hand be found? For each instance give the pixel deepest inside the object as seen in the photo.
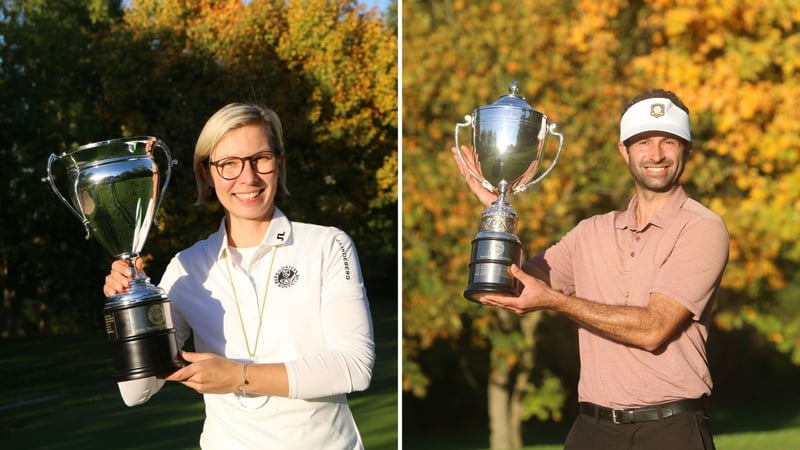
(208, 373)
(119, 280)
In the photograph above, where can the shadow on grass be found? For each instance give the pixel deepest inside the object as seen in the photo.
(57, 393)
(62, 396)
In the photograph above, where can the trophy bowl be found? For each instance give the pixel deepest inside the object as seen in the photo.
(509, 139)
(115, 188)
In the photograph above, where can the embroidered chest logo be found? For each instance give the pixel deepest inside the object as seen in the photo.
(286, 277)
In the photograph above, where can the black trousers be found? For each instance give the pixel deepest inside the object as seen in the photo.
(686, 431)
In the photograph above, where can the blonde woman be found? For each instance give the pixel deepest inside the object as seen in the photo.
(277, 309)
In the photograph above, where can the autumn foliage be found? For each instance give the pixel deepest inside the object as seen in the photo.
(735, 64)
(75, 71)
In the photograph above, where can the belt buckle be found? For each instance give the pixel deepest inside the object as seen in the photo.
(618, 416)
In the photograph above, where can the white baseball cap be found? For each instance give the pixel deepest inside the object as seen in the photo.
(654, 114)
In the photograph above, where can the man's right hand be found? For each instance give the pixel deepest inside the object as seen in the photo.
(485, 196)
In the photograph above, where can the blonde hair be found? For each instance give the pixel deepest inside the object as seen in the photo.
(231, 117)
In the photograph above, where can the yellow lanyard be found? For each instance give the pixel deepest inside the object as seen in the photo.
(252, 353)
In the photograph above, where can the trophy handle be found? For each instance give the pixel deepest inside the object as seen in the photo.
(49, 178)
(483, 181)
(170, 163)
(551, 129)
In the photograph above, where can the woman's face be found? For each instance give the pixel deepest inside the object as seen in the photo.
(251, 195)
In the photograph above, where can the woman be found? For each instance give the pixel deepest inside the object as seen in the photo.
(277, 309)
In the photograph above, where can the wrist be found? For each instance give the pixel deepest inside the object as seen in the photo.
(554, 300)
(242, 389)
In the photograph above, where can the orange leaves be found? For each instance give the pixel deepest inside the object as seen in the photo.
(677, 20)
(714, 41)
(733, 63)
(386, 181)
(339, 57)
(590, 30)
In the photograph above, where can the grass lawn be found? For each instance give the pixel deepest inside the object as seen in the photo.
(764, 425)
(57, 393)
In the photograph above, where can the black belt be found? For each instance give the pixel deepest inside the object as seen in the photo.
(645, 414)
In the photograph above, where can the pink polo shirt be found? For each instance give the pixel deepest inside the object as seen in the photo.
(681, 253)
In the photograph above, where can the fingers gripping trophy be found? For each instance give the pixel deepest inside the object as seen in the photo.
(115, 188)
(509, 140)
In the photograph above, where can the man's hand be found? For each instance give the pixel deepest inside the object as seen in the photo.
(647, 327)
(468, 163)
(536, 295)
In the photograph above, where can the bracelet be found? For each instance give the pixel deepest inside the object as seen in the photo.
(244, 380)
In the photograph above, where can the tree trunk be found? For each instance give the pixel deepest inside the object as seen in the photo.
(500, 431)
(507, 387)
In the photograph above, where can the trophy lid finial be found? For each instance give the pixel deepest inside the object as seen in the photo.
(513, 98)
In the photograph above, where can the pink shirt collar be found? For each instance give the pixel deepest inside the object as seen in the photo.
(627, 218)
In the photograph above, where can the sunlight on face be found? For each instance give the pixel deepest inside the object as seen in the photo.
(251, 195)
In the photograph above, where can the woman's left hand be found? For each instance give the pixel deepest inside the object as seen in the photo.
(208, 373)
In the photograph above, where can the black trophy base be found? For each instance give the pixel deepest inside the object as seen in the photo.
(142, 356)
(475, 291)
(140, 333)
(492, 255)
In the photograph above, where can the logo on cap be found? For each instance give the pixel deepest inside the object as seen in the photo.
(657, 110)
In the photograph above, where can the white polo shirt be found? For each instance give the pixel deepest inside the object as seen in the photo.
(316, 321)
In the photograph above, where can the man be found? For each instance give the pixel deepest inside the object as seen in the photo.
(640, 284)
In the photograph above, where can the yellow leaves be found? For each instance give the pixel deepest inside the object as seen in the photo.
(775, 337)
(677, 20)
(386, 180)
(599, 8)
(763, 223)
(714, 41)
(590, 28)
(750, 313)
(733, 63)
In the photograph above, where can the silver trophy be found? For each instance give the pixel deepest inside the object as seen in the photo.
(115, 188)
(509, 139)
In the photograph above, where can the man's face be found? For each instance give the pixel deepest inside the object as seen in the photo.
(656, 160)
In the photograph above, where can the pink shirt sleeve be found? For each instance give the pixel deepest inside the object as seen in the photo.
(691, 268)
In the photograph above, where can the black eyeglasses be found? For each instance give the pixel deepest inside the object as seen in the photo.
(231, 167)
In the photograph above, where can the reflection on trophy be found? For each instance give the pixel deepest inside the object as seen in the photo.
(114, 189)
(508, 144)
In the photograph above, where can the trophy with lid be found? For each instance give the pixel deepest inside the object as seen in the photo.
(509, 140)
(115, 188)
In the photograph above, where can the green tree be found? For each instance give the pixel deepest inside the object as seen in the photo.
(49, 83)
(75, 72)
(328, 68)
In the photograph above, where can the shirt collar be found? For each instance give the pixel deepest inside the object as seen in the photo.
(279, 233)
(627, 219)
